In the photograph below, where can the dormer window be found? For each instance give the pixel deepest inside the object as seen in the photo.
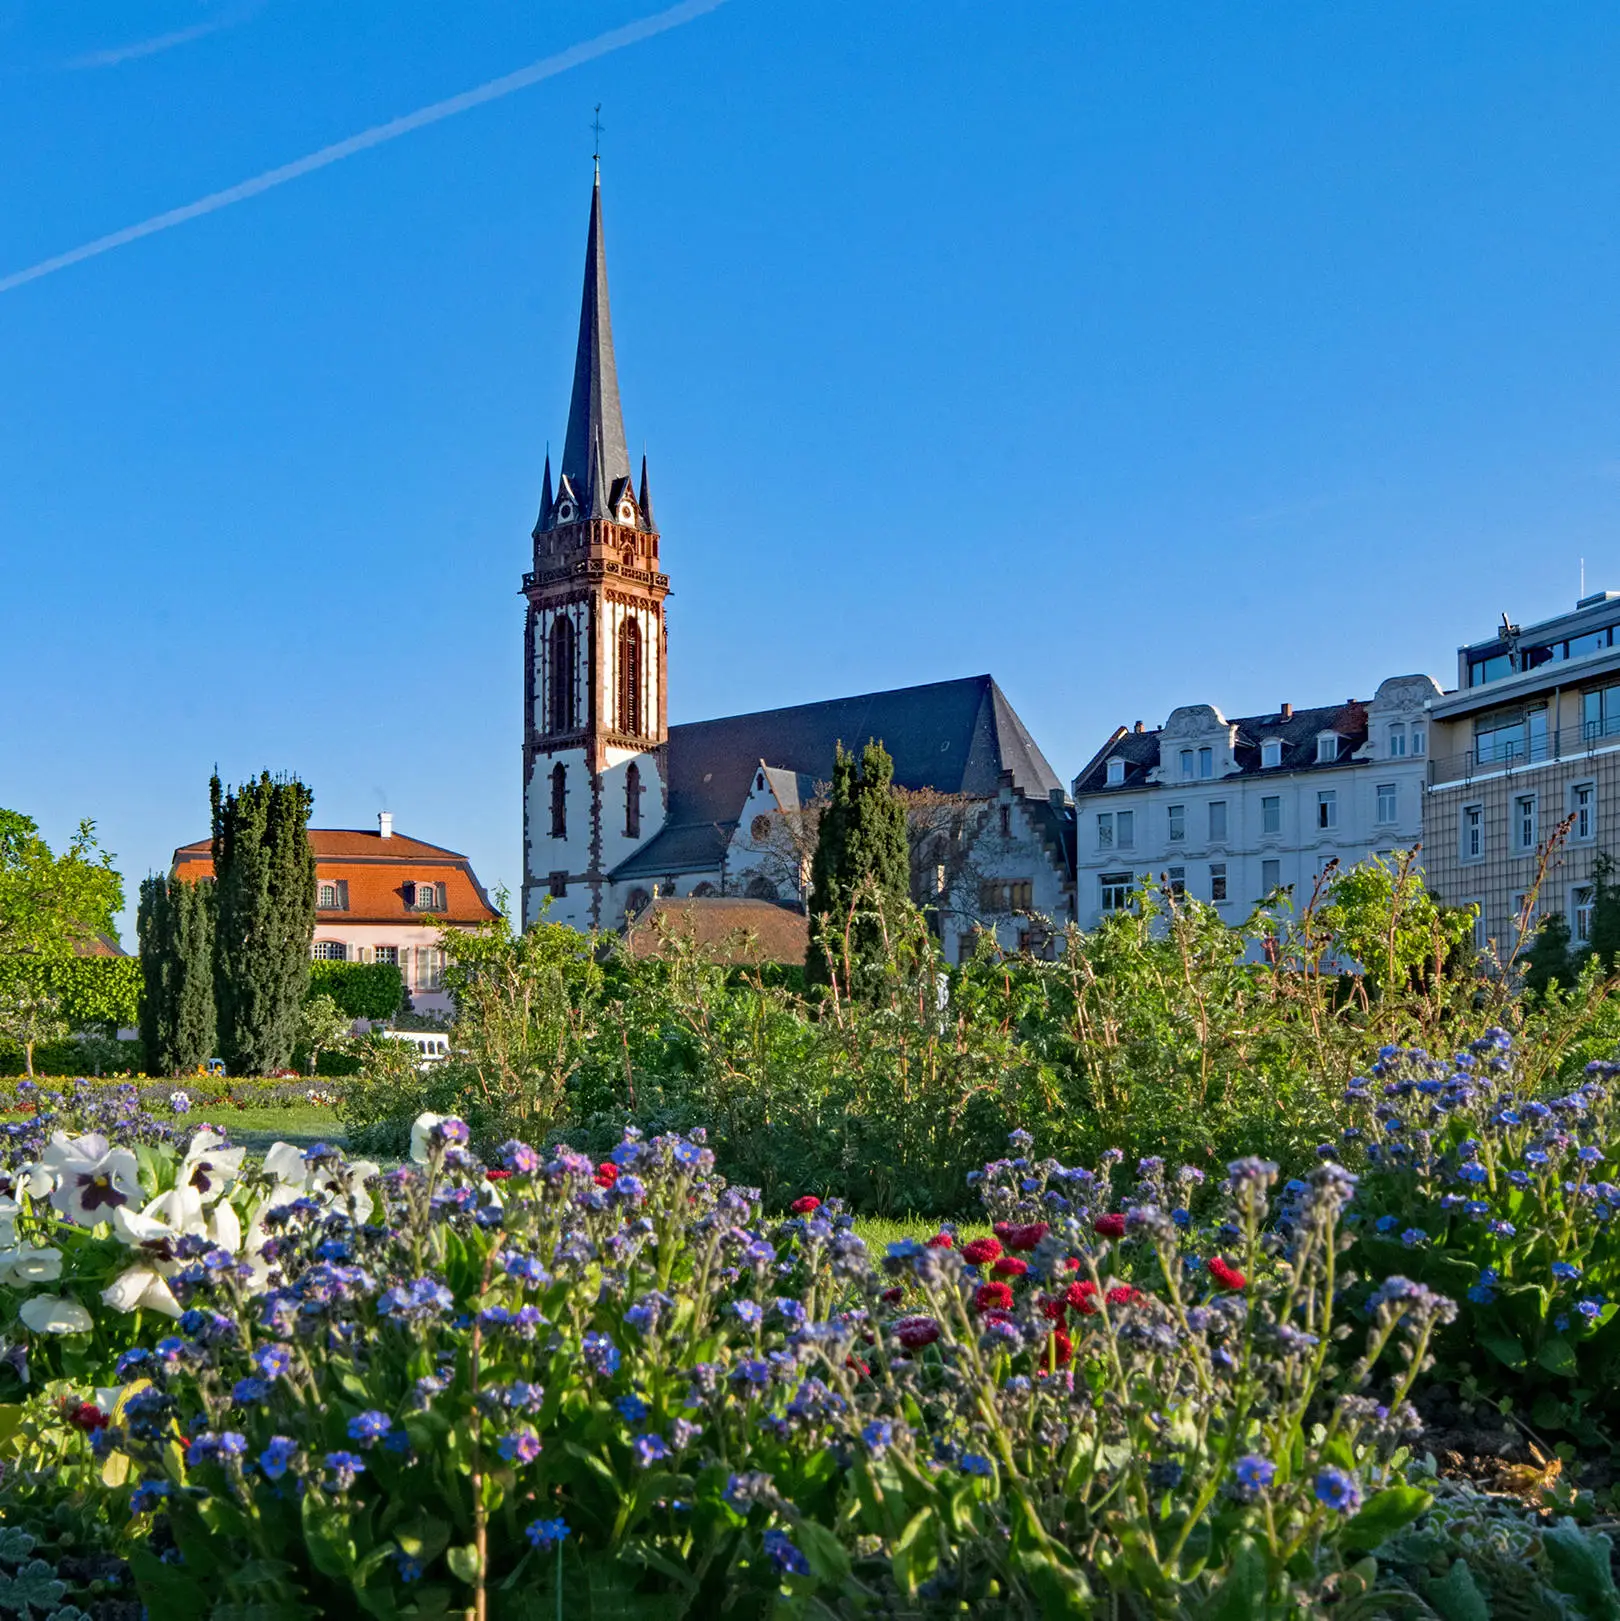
(1116, 772)
(328, 898)
(627, 512)
(422, 897)
(1327, 747)
(565, 512)
(1270, 753)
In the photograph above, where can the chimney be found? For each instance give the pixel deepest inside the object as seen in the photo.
(1287, 711)
(1140, 728)
(385, 824)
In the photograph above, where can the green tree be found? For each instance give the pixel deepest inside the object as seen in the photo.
(322, 1027)
(29, 1016)
(175, 927)
(51, 905)
(1548, 960)
(1605, 913)
(860, 876)
(264, 919)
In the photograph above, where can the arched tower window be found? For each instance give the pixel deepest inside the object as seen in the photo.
(559, 801)
(564, 663)
(630, 676)
(632, 802)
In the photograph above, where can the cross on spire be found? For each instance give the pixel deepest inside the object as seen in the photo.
(596, 135)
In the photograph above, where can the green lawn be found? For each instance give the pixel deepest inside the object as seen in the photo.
(257, 1129)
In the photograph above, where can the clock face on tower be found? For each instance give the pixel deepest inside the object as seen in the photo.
(565, 512)
(627, 512)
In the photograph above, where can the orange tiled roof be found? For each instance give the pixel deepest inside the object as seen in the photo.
(375, 871)
(720, 925)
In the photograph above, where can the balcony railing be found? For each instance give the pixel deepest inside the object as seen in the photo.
(1507, 755)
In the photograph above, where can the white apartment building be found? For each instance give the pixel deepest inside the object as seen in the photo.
(1232, 811)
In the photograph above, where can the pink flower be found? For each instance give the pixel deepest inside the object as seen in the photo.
(803, 1206)
(916, 1332)
(1111, 1226)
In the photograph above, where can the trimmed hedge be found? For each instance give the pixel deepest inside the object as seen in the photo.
(92, 990)
(68, 1057)
(363, 990)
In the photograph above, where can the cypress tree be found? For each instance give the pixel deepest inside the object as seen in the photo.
(1605, 913)
(155, 933)
(1548, 958)
(175, 927)
(264, 919)
(861, 863)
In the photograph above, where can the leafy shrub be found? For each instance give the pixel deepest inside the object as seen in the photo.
(363, 990)
(75, 1055)
(92, 991)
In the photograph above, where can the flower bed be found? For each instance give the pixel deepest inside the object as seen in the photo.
(299, 1386)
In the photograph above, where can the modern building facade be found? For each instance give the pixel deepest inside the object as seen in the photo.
(1233, 811)
(622, 809)
(1529, 740)
(381, 897)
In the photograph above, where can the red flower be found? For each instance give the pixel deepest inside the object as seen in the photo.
(1112, 1226)
(916, 1332)
(84, 1416)
(1122, 1294)
(1020, 1236)
(891, 1296)
(942, 1241)
(1082, 1297)
(980, 1251)
(1062, 1349)
(803, 1207)
(497, 1176)
(858, 1367)
(607, 1173)
(1052, 1310)
(1072, 1264)
(1225, 1274)
(991, 1296)
(1009, 1266)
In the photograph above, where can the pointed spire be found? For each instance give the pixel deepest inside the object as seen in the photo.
(595, 424)
(545, 496)
(646, 496)
(598, 494)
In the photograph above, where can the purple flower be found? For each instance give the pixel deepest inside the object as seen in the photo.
(521, 1445)
(546, 1534)
(370, 1427)
(1338, 1490)
(632, 1409)
(784, 1555)
(519, 1158)
(1252, 1475)
(207, 1448)
(649, 1449)
(272, 1360)
(277, 1456)
(878, 1437)
(342, 1470)
(601, 1355)
(744, 1490)
(249, 1391)
(1565, 1271)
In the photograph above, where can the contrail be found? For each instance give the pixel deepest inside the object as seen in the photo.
(548, 67)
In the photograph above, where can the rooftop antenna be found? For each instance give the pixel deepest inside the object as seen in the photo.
(596, 138)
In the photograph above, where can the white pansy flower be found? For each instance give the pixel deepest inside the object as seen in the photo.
(34, 1180)
(156, 1232)
(93, 1179)
(210, 1165)
(331, 1179)
(52, 1314)
(30, 1263)
(420, 1131)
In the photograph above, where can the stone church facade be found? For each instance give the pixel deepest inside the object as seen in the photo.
(620, 808)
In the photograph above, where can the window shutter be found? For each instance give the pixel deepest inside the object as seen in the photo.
(409, 890)
(343, 894)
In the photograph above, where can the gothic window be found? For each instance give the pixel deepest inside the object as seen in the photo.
(630, 677)
(563, 664)
(632, 802)
(559, 801)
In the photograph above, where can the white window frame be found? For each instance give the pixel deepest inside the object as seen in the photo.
(1581, 900)
(1116, 772)
(1175, 879)
(1275, 864)
(1482, 937)
(1217, 883)
(1114, 891)
(1471, 833)
(326, 888)
(1206, 764)
(1186, 765)
(1327, 747)
(1397, 740)
(1386, 793)
(1219, 813)
(1270, 754)
(1268, 803)
(1526, 823)
(1586, 813)
(1125, 829)
(1176, 824)
(1416, 740)
(1105, 830)
(328, 951)
(1327, 809)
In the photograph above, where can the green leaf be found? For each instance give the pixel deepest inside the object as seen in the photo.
(1557, 1356)
(1503, 1346)
(826, 1555)
(326, 1535)
(35, 1584)
(1242, 1596)
(15, 1544)
(1578, 1562)
(1061, 1590)
(1383, 1514)
(463, 1562)
(1455, 1597)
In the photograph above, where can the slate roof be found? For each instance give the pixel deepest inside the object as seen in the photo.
(374, 871)
(731, 931)
(1297, 733)
(595, 457)
(956, 737)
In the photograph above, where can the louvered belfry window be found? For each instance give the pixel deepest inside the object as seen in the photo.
(630, 677)
(563, 664)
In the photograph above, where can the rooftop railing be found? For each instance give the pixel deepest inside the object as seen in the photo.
(1505, 755)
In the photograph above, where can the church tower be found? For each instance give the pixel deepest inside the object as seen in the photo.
(595, 709)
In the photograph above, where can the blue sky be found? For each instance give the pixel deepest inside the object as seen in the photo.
(1139, 354)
